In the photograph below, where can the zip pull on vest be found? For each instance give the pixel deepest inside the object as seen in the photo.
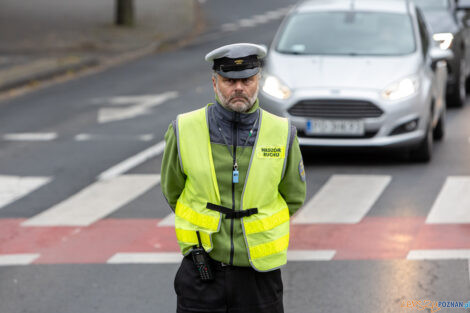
(235, 173)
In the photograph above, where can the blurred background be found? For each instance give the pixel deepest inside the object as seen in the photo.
(376, 89)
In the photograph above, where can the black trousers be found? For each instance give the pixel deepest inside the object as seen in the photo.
(233, 290)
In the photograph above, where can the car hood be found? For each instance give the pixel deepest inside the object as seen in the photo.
(355, 72)
(440, 21)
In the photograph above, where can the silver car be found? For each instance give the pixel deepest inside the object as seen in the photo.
(358, 73)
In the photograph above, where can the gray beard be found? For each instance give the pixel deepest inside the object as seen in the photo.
(240, 109)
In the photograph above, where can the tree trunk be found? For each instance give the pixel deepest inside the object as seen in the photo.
(125, 12)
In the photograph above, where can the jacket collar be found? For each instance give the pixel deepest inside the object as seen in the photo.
(229, 116)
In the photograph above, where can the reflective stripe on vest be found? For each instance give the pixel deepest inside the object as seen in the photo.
(267, 232)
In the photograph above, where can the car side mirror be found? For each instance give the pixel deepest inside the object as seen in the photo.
(438, 54)
(463, 5)
(463, 11)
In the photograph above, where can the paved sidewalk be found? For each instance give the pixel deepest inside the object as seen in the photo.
(40, 39)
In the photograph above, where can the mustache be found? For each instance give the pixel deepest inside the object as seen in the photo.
(239, 95)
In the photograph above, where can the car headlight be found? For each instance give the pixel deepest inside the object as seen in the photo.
(401, 89)
(274, 87)
(444, 40)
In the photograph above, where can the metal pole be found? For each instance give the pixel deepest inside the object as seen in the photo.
(125, 12)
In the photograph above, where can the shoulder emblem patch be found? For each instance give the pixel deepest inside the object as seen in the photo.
(302, 170)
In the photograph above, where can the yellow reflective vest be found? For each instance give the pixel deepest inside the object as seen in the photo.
(267, 232)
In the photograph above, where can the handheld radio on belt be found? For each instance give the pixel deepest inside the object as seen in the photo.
(201, 260)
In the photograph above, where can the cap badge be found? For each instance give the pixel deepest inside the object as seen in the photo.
(238, 62)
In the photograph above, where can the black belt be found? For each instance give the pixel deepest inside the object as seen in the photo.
(231, 213)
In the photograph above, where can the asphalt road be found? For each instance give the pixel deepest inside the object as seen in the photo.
(57, 142)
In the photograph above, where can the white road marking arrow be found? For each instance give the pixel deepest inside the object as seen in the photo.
(133, 106)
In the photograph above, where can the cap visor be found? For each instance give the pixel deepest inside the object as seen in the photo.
(239, 74)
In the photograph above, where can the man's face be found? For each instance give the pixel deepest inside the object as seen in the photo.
(238, 95)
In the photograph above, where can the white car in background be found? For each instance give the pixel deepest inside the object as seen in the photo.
(358, 73)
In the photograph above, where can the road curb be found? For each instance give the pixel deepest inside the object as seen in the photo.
(35, 71)
(42, 70)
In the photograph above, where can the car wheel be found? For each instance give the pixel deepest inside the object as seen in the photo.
(457, 98)
(423, 152)
(439, 131)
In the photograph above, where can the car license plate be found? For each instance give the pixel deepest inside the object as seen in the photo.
(335, 127)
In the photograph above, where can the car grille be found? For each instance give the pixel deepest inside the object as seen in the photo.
(367, 134)
(335, 109)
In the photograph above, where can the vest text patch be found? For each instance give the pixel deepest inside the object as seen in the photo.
(271, 152)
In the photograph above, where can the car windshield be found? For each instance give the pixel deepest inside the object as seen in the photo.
(432, 4)
(347, 33)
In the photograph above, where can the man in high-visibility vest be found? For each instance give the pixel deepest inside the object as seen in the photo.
(233, 174)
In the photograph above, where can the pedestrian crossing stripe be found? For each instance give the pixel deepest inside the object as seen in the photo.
(169, 220)
(452, 204)
(13, 188)
(95, 201)
(310, 255)
(146, 258)
(343, 199)
(17, 259)
(439, 254)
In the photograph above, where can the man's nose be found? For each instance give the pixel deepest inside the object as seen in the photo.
(239, 84)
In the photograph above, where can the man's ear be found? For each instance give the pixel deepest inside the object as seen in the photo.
(214, 82)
